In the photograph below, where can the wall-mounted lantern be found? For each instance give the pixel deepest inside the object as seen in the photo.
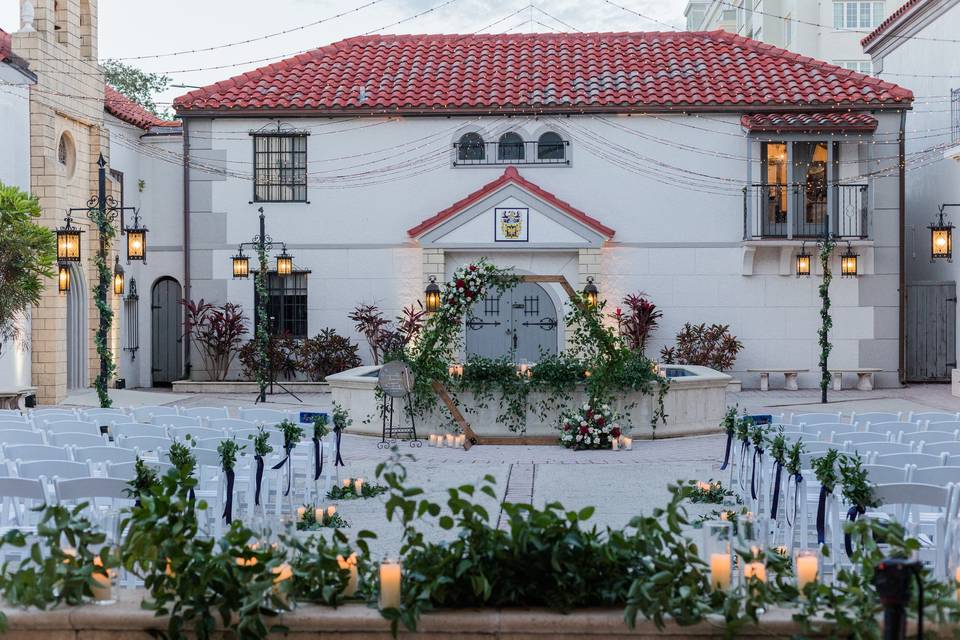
(848, 263)
(431, 296)
(241, 265)
(68, 242)
(591, 292)
(63, 278)
(941, 237)
(803, 262)
(284, 263)
(117, 277)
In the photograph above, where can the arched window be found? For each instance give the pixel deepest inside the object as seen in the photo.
(470, 147)
(550, 147)
(510, 147)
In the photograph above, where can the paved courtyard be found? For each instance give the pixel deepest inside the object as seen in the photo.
(619, 484)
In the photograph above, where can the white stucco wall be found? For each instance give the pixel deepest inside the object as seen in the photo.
(156, 160)
(15, 170)
(670, 186)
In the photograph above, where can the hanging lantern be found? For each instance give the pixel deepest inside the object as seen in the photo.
(137, 244)
(241, 265)
(591, 292)
(432, 296)
(63, 278)
(848, 263)
(284, 263)
(117, 277)
(803, 262)
(941, 239)
(68, 242)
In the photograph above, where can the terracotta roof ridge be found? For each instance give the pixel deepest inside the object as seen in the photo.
(895, 15)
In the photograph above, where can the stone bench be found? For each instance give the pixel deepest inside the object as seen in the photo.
(789, 377)
(864, 377)
(15, 398)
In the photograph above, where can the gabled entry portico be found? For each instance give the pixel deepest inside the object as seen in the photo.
(515, 223)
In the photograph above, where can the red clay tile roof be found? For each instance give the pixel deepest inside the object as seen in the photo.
(510, 176)
(545, 73)
(809, 122)
(5, 45)
(122, 107)
(893, 17)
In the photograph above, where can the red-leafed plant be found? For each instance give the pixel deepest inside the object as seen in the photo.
(383, 336)
(698, 344)
(327, 353)
(636, 320)
(217, 331)
(281, 356)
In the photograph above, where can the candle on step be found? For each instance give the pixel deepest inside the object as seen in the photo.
(102, 586)
(346, 482)
(756, 570)
(807, 568)
(627, 442)
(449, 439)
(331, 510)
(720, 570)
(350, 564)
(390, 572)
(614, 443)
(358, 486)
(318, 514)
(460, 440)
(433, 439)
(301, 512)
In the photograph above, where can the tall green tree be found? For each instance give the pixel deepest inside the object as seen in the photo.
(138, 85)
(27, 256)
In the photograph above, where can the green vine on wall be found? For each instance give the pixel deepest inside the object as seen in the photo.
(826, 321)
(263, 325)
(101, 337)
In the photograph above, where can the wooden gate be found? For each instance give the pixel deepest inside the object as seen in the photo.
(166, 331)
(931, 328)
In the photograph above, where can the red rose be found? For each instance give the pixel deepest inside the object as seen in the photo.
(472, 267)
(600, 421)
(615, 432)
(566, 427)
(460, 284)
(584, 430)
(469, 297)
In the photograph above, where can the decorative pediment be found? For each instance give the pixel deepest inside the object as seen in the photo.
(511, 212)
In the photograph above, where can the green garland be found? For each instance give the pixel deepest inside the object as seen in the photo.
(263, 325)
(100, 338)
(826, 321)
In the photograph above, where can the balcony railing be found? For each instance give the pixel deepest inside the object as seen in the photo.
(503, 153)
(783, 211)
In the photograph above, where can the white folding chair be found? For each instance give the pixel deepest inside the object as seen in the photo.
(6, 414)
(75, 440)
(818, 448)
(103, 454)
(932, 425)
(21, 437)
(893, 429)
(230, 425)
(940, 476)
(861, 419)
(131, 429)
(52, 411)
(941, 448)
(928, 437)
(144, 443)
(816, 418)
(128, 470)
(916, 459)
(903, 502)
(19, 498)
(206, 413)
(14, 425)
(932, 416)
(95, 415)
(177, 421)
(887, 474)
(150, 413)
(72, 426)
(268, 416)
(105, 497)
(41, 421)
(862, 436)
(866, 449)
(34, 452)
(52, 469)
(834, 432)
(180, 433)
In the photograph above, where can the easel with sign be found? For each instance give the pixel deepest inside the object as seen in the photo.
(396, 381)
(471, 436)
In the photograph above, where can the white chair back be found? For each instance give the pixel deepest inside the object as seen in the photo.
(862, 419)
(102, 454)
(206, 413)
(231, 424)
(887, 474)
(893, 429)
(10, 413)
(947, 425)
(144, 443)
(128, 470)
(52, 469)
(19, 497)
(72, 426)
(149, 413)
(41, 421)
(942, 448)
(865, 450)
(267, 416)
(34, 452)
(180, 433)
(932, 416)
(177, 421)
(75, 440)
(928, 437)
(816, 418)
(14, 425)
(916, 459)
(52, 411)
(903, 502)
(95, 415)
(862, 437)
(21, 437)
(111, 493)
(834, 432)
(131, 429)
(815, 447)
(940, 476)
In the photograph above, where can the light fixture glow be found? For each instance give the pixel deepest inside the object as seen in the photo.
(432, 296)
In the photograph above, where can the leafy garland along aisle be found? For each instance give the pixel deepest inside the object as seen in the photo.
(826, 321)
(598, 358)
(263, 326)
(100, 338)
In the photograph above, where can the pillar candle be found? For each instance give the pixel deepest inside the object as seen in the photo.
(331, 510)
(389, 584)
(627, 442)
(720, 570)
(350, 564)
(358, 486)
(102, 587)
(449, 440)
(957, 578)
(806, 570)
(318, 514)
(614, 443)
(346, 482)
(301, 511)
(755, 570)
(460, 440)
(433, 439)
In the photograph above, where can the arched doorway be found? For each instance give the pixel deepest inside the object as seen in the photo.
(166, 332)
(77, 333)
(521, 323)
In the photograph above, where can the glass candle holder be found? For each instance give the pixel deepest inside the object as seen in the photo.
(103, 584)
(390, 574)
(718, 552)
(349, 564)
(806, 567)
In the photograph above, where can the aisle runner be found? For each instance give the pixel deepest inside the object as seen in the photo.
(520, 480)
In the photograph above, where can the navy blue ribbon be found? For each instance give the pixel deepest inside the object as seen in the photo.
(726, 452)
(256, 493)
(797, 479)
(852, 513)
(228, 508)
(317, 459)
(743, 458)
(753, 472)
(821, 515)
(775, 502)
(338, 461)
(287, 448)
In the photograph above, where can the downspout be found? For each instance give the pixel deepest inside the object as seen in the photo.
(901, 367)
(186, 241)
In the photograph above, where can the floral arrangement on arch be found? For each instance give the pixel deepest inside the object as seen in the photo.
(589, 427)
(468, 285)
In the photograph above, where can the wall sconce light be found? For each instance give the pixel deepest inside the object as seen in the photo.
(848, 263)
(803, 262)
(941, 238)
(63, 278)
(68, 242)
(591, 292)
(432, 296)
(284, 263)
(117, 277)
(241, 265)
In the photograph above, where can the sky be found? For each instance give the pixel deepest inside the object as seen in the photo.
(135, 28)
